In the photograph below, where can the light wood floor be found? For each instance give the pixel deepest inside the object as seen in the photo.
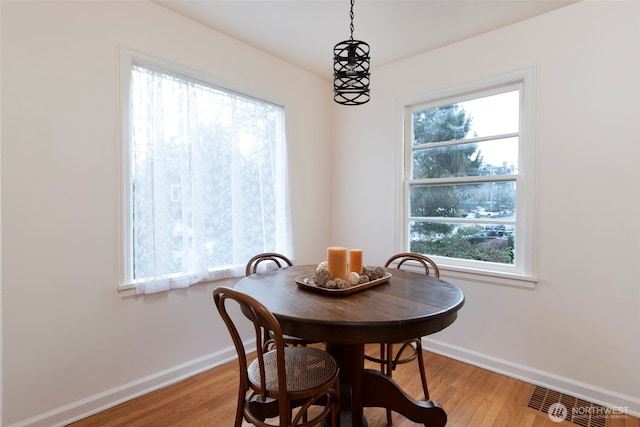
(471, 396)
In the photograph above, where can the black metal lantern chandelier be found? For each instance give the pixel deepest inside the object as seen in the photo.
(351, 70)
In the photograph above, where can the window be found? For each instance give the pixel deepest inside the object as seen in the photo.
(468, 179)
(205, 181)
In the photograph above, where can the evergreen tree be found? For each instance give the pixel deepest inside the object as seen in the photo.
(441, 124)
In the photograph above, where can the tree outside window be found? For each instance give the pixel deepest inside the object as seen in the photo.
(462, 178)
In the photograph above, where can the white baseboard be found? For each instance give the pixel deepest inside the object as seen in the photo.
(99, 402)
(588, 392)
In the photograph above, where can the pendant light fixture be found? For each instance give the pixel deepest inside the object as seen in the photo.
(351, 70)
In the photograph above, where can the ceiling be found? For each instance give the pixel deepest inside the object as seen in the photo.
(303, 32)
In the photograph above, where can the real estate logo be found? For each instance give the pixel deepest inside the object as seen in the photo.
(557, 412)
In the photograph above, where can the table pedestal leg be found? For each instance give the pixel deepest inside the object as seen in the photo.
(383, 392)
(361, 388)
(350, 358)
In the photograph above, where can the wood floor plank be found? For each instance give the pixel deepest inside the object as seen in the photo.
(471, 396)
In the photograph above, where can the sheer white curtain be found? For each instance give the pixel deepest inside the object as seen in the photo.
(208, 181)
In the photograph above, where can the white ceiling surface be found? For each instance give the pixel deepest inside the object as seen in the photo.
(303, 32)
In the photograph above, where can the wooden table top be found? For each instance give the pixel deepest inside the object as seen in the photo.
(409, 305)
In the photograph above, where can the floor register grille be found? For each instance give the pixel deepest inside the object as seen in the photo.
(578, 411)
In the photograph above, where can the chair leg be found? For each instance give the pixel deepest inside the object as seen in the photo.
(239, 410)
(388, 367)
(423, 374)
(335, 407)
(383, 350)
(286, 421)
(389, 360)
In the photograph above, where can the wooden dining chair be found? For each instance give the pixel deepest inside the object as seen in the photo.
(280, 261)
(280, 380)
(268, 257)
(394, 354)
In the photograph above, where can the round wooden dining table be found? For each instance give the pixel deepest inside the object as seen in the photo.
(407, 306)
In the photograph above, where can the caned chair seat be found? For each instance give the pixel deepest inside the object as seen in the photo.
(306, 368)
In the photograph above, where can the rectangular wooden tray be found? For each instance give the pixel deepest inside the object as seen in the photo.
(306, 282)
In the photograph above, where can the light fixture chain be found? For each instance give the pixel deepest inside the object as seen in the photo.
(351, 15)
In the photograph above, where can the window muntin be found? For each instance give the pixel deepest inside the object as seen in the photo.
(206, 180)
(440, 162)
(464, 180)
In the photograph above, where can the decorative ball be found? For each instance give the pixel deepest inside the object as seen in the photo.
(353, 278)
(381, 272)
(321, 277)
(342, 284)
(363, 279)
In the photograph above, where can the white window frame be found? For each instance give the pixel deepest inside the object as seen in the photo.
(127, 57)
(523, 272)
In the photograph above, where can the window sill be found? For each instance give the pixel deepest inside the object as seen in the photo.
(135, 288)
(488, 277)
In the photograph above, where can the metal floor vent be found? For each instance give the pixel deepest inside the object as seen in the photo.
(568, 408)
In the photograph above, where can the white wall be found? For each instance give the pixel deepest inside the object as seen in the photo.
(579, 329)
(71, 343)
